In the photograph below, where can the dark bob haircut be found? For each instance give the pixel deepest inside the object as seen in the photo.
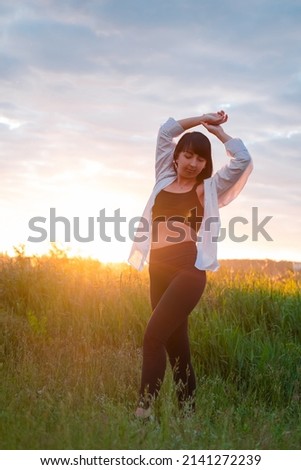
(198, 143)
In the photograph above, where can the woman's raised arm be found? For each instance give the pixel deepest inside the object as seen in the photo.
(210, 118)
(171, 129)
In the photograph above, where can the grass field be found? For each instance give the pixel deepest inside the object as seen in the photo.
(70, 356)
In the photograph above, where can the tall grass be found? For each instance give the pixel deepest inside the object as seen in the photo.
(71, 332)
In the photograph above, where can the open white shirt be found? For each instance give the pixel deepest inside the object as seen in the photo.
(219, 190)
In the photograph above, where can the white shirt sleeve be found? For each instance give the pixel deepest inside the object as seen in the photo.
(231, 178)
(165, 148)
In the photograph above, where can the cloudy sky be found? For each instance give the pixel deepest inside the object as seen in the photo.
(86, 84)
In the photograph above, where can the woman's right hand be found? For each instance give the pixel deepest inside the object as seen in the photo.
(215, 119)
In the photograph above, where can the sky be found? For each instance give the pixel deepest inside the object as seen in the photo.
(85, 85)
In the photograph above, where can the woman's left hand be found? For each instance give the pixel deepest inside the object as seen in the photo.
(215, 119)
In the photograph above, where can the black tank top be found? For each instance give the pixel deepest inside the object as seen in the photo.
(181, 207)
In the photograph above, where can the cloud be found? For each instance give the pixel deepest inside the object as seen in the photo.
(54, 45)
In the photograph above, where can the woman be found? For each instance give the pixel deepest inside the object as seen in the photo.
(180, 227)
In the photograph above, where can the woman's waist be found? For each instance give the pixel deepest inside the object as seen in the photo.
(173, 245)
(178, 254)
(171, 233)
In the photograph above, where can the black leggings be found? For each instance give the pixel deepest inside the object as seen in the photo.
(176, 286)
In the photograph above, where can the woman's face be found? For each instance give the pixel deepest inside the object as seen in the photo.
(190, 164)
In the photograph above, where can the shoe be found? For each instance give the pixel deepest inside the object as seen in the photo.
(143, 413)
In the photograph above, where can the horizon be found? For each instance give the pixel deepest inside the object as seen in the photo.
(59, 252)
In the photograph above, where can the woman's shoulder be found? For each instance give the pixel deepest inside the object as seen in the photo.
(199, 187)
(200, 192)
